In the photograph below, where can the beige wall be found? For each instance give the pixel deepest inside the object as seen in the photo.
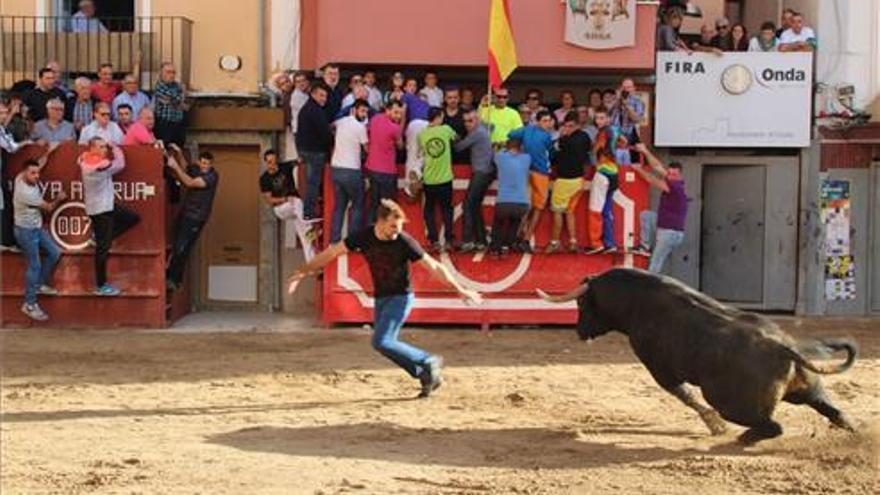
(230, 30)
(18, 7)
(712, 9)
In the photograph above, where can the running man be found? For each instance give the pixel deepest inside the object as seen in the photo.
(389, 251)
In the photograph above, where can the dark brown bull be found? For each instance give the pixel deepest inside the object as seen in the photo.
(743, 363)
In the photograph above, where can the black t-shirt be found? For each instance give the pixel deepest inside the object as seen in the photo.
(574, 155)
(457, 124)
(199, 200)
(388, 260)
(280, 184)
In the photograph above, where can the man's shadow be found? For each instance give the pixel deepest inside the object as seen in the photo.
(518, 448)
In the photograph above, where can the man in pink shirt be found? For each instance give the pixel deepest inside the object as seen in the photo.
(141, 132)
(385, 136)
(106, 88)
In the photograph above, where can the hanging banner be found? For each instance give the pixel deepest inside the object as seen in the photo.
(600, 24)
(836, 215)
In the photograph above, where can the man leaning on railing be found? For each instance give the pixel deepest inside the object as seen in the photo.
(84, 21)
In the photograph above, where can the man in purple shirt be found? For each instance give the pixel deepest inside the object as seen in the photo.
(666, 227)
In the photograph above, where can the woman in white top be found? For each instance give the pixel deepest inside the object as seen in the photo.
(766, 40)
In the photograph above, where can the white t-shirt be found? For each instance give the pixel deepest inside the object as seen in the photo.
(351, 135)
(789, 36)
(434, 96)
(112, 133)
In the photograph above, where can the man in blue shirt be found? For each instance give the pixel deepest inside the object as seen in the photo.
(512, 203)
(538, 143)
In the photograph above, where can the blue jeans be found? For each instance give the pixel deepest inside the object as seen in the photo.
(664, 240)
(348, 187)
(38, 271)
(391, 312)
(382, 186)
(314, 161)
(474, 227)
(608, 219)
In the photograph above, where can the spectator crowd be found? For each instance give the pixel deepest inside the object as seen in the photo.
(792, 35)
(101, 114)
(542, 155)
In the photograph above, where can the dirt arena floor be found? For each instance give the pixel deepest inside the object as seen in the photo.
(315, 411)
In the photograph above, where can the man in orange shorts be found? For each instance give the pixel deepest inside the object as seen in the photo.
(537, 142)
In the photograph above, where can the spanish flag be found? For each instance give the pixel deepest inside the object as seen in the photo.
(502, 49)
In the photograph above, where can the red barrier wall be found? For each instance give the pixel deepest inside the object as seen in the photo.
(508, 284)
(137, 258)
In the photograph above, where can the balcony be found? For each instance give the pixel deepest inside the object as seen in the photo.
(27, 43)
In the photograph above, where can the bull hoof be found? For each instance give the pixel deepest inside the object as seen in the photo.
(713, 420)
(765, 431)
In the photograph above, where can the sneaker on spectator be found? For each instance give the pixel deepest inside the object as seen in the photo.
(479, 247)
(505, 250)
(107, 290)
(552, 247)
(11, 248)
(642, 251)
(573, 246)
(610, 250)
(594, 250)
(47, 290)
(524, 247)
(467, 247)
(34, 312)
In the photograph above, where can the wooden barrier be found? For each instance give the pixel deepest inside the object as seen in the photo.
(137, 258)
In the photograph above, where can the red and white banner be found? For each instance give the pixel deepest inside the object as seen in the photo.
(508, 283)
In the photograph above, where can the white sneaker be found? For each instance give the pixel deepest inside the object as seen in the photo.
(34, 312)
(47, 290)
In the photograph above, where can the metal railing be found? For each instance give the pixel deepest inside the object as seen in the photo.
(28, 43)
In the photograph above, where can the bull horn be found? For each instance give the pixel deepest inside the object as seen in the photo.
(564, 298)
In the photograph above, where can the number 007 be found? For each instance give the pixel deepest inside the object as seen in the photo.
(75, 226)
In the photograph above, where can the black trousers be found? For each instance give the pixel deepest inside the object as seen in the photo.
(7, 232)
(185, 237)
(171, 132)
(474, 228)
(506, 224)
(108, 226)
(439, 195)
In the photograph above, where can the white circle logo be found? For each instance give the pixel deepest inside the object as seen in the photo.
(736, 79)
(70, 226)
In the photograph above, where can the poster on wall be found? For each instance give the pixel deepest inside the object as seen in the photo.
(836, 216)
(600, 24)
(840, 278)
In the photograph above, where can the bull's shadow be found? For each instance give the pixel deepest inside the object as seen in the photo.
(517, 448)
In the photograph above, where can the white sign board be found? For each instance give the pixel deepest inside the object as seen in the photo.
(600, 24)
(742, 99)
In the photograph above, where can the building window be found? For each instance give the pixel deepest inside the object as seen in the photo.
(115, 15)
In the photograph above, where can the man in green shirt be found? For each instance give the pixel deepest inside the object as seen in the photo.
(500, 119)
(435, 145)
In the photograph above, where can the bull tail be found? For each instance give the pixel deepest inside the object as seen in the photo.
(826, 345)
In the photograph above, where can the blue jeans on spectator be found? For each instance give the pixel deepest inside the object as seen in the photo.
(38, 271)
(314, 161)
(391, 313)
(348, 188)
(474, 227)
(382, 186)
(664, 240)
(608, 219)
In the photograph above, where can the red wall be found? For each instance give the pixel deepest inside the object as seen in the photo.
(455, 33)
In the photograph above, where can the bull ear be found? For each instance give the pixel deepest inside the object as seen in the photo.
(569, 296)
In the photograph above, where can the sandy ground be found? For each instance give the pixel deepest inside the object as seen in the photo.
(284, 407)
